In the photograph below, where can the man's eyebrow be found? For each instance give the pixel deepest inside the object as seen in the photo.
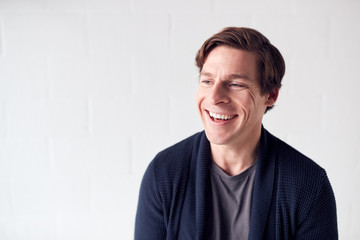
(236, 76)
(206, 74)
(228, 77)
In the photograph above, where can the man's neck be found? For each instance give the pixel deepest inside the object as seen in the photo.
(236, 157)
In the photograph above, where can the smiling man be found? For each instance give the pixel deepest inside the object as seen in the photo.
(235, 180)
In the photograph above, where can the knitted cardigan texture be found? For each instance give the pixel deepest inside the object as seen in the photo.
(292, 197)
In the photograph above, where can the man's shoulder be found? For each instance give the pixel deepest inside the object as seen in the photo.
(295, 168)
(177, 155)
(171, 166)
(291, 157)
(183, 147)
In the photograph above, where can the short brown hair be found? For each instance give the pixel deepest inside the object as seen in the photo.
(270, 61)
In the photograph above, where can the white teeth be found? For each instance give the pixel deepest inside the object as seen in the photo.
(220, 117)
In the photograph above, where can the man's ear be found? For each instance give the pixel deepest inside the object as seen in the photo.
(272, 97)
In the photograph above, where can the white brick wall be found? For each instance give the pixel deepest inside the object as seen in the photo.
(91, 90)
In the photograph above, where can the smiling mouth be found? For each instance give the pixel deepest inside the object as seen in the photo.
(224, 117)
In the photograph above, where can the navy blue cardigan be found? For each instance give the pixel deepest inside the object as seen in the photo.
(292, 197)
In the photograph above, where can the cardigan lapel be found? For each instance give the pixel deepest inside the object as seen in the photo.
(262, 192)
(202, 185)
(263, 186)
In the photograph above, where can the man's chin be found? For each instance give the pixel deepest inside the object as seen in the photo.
(216, 138)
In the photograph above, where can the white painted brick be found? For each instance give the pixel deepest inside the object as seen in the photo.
(341, 75)
(23, 77)
(6, 204)
(24, 157)
(90, 6)
(42, 117)
(189, 6)
(184, 117)
(130, 116)
(73, 226)
(21, 6)
(171, 6)
(326, 7)
(107, 194)
(69, 117)
(2, 37)
(7, 227)
(306, 74)
(149, 35)
(109, 34)
(73, 195)
(95, 76)
(296, 35)
(36, 227)
(184, 78)
(113, 157)
(349, 119)
(73, 156)
(152, 76)
(91, 157)
(272, 121)
(310, 96)
(343, 71)
(348, 207)
(27, 118)
(65, 6)
(331, 150)
(344, 37)
(110, 226)
(312, 36)
(155, 108)
(3, 126)
(115, 195)
(143, 6)
(94, 227)
(298, 116)
(252, 7)
(144, 149)
(33, 196)
(112, 117)
(189, 31)
(34, 34)
(355, 211)
(131, 34)
(280, 36)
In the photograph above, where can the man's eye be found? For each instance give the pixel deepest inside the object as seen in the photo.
(236, 85)
(206, 82)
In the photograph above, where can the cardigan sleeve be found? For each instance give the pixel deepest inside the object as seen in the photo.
(150, 223)
(321, 221)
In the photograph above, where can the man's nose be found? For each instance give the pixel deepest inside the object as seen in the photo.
(219, 94)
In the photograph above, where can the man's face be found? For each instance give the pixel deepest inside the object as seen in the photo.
(229, 97)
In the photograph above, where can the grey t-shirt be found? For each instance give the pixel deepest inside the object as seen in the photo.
(229, 205)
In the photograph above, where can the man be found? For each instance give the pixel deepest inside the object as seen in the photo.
(235, 180)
